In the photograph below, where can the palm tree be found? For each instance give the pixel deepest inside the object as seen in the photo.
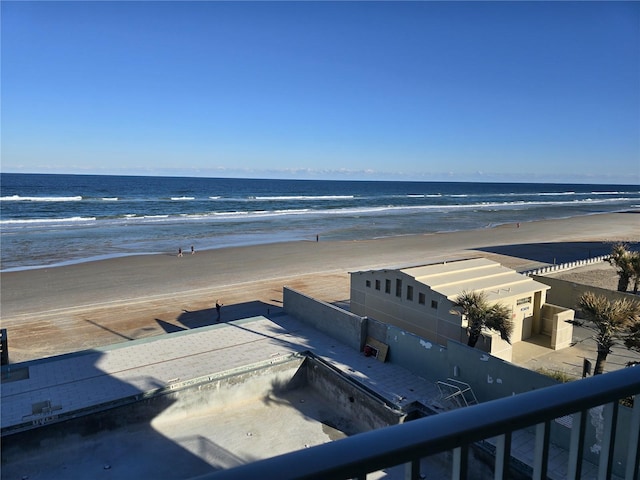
(632, 341)
(635, 268)
(622, 259)
(611, 321)
(479, 315)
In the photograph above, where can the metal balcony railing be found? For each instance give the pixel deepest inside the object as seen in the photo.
(457, 430)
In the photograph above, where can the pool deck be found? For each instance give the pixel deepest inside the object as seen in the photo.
(74, 382)
(38, 391)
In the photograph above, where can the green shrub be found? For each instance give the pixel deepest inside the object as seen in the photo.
(562, 377)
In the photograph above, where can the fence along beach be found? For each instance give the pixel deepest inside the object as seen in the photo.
(56, 310)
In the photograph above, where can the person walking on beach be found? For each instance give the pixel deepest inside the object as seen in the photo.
(193, 250)
(180, 251)
(218, 308)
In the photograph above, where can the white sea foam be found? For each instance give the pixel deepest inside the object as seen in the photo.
(293, 211)
(18, 198)
(227, 214)
(34, 221)
(305, 197)
(346, 211)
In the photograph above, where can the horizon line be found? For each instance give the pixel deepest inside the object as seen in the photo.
(342, 175)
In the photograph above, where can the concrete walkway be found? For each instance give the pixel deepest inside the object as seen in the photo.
(534, 354)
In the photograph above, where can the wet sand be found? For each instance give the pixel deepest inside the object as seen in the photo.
(64, 309)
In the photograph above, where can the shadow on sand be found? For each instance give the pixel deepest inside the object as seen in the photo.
(556, 252)
(190, 319)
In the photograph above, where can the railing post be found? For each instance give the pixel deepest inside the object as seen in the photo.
(460, 462)
(4, 348)
(541, 454)
(503, 456)
(576, 445)
(633, 452)
(610, 418)
(412, 469)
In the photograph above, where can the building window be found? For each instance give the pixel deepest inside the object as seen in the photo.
(522, 301)
(368, 283)
(377, 284)
(421, 299)
(387, 286)
(409, 292)
(434, 304)
(398, 287)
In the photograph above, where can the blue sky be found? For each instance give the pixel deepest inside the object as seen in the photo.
(479, 91)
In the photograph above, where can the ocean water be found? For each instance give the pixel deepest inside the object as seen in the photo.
(48, 220)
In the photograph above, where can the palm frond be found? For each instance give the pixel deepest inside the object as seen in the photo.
(611, 320)
(498, 318)
(479, 314)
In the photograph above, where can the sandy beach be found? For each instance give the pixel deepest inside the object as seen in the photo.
(58, 310)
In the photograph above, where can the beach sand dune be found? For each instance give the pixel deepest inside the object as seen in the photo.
(58, 310)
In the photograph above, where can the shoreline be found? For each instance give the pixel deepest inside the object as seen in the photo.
(116, 256)
(69, 308)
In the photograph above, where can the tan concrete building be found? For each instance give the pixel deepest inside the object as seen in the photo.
(420, 299)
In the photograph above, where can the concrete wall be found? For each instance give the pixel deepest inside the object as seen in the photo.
(557, 318)
(359, 410)
(344, 326)
(491, 377)
(422, 357)
(567, 294)
(233, 388)
(492, 343)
